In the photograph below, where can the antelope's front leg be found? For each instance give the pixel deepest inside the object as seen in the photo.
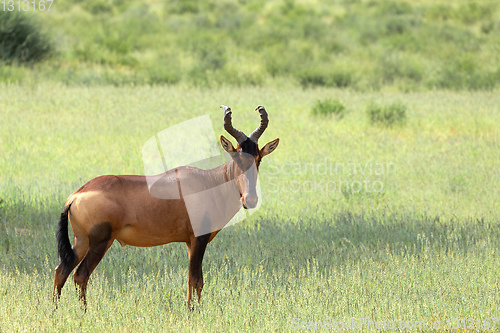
(196, 250)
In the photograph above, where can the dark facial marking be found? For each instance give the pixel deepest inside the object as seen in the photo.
(249, 147)
(243, 160)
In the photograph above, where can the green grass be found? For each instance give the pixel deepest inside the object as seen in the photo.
(364, 45)
(329, 106)
(387, 115)
(357, 221)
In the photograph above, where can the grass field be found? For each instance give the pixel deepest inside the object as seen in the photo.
(358, 220)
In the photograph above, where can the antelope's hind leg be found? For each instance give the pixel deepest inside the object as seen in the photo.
(80, 248)
(100, 239)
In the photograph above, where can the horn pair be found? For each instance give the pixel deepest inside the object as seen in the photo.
(239, 135)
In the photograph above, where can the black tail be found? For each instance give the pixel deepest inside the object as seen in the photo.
(63, 245)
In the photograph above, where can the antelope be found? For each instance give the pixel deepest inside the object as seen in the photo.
(122, 208)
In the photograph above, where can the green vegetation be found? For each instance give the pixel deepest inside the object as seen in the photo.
(329, 106)
(360, 217)
(357, 221)
(363, 45)
(21, 40)
(387, 115)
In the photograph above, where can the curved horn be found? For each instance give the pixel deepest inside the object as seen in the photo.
(264, 121)
(228, 126)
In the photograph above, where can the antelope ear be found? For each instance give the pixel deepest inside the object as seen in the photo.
(269, 147)
(226, 144)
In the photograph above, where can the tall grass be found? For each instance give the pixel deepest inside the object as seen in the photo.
(387, 115)
(329, 106)
(328, 241)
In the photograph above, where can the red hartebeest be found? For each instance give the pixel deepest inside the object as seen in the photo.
(122, 208)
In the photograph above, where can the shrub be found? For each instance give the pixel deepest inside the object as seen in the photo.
(182, 6)
(97, 7)
(393, 66)
(470, 13)
(340, 78)
(164, 70)
(329, 106)
(311, 77)
(466, 73)
(387, 115)
(21, 40)
(324, 76)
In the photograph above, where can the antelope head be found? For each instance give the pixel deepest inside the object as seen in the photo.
(247, 155)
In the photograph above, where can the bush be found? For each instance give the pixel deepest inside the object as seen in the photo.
(388, 115)
(21, 40)
(97, 7)
(312, 77)
(183, 7)
(466, 73)
(470, 13)
(324, 76)
(329, 106)
(393, 66)
(164, 72)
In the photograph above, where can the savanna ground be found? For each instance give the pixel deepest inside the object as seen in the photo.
(381, 202)
(424, 246)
